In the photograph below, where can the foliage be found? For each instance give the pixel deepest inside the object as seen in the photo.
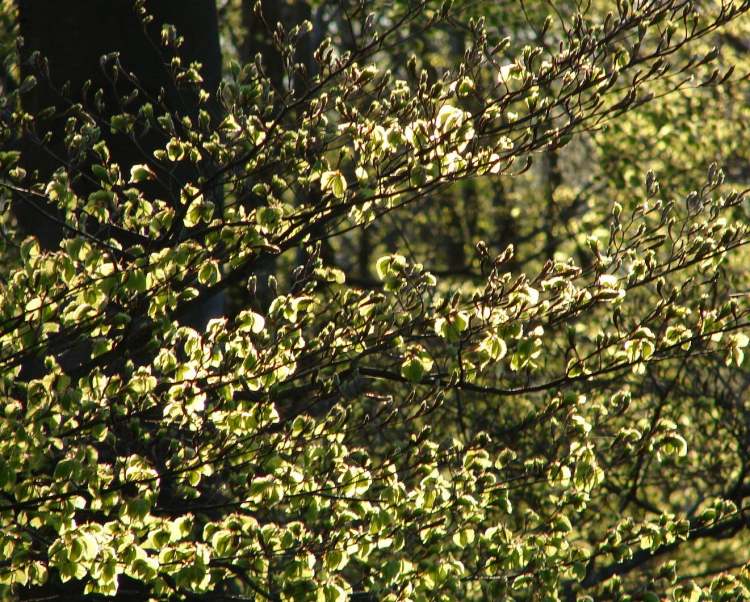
(485, 331)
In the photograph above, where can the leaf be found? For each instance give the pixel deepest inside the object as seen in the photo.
(268, 217)
(175, 150)
(336, 560)
(249, 320)
(382, 267)
(28, 84)
(335, 593)
(198, 211)
(136, 280)
(463, 538)
(89, 545)
(450, 328)
(209, 273)
(390, 266)
(412, 370)
(334, 182)
(415, 367)
(494, 347)
(141, 173)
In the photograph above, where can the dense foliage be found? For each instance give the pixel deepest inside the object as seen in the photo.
(427, 301)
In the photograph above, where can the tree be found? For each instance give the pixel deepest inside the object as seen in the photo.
(500, 380)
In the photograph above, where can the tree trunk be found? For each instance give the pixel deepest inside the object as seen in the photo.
(73, 36)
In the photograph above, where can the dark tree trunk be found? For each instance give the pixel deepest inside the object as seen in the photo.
(73, 36)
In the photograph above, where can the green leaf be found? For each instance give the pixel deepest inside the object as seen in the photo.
(333, 182)
(268, 217)
(390, 266)
(248, 320)
(175, 150)
(414, 368)
(136, 280)
(198, 211)
(209, 273)
(141, 173)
